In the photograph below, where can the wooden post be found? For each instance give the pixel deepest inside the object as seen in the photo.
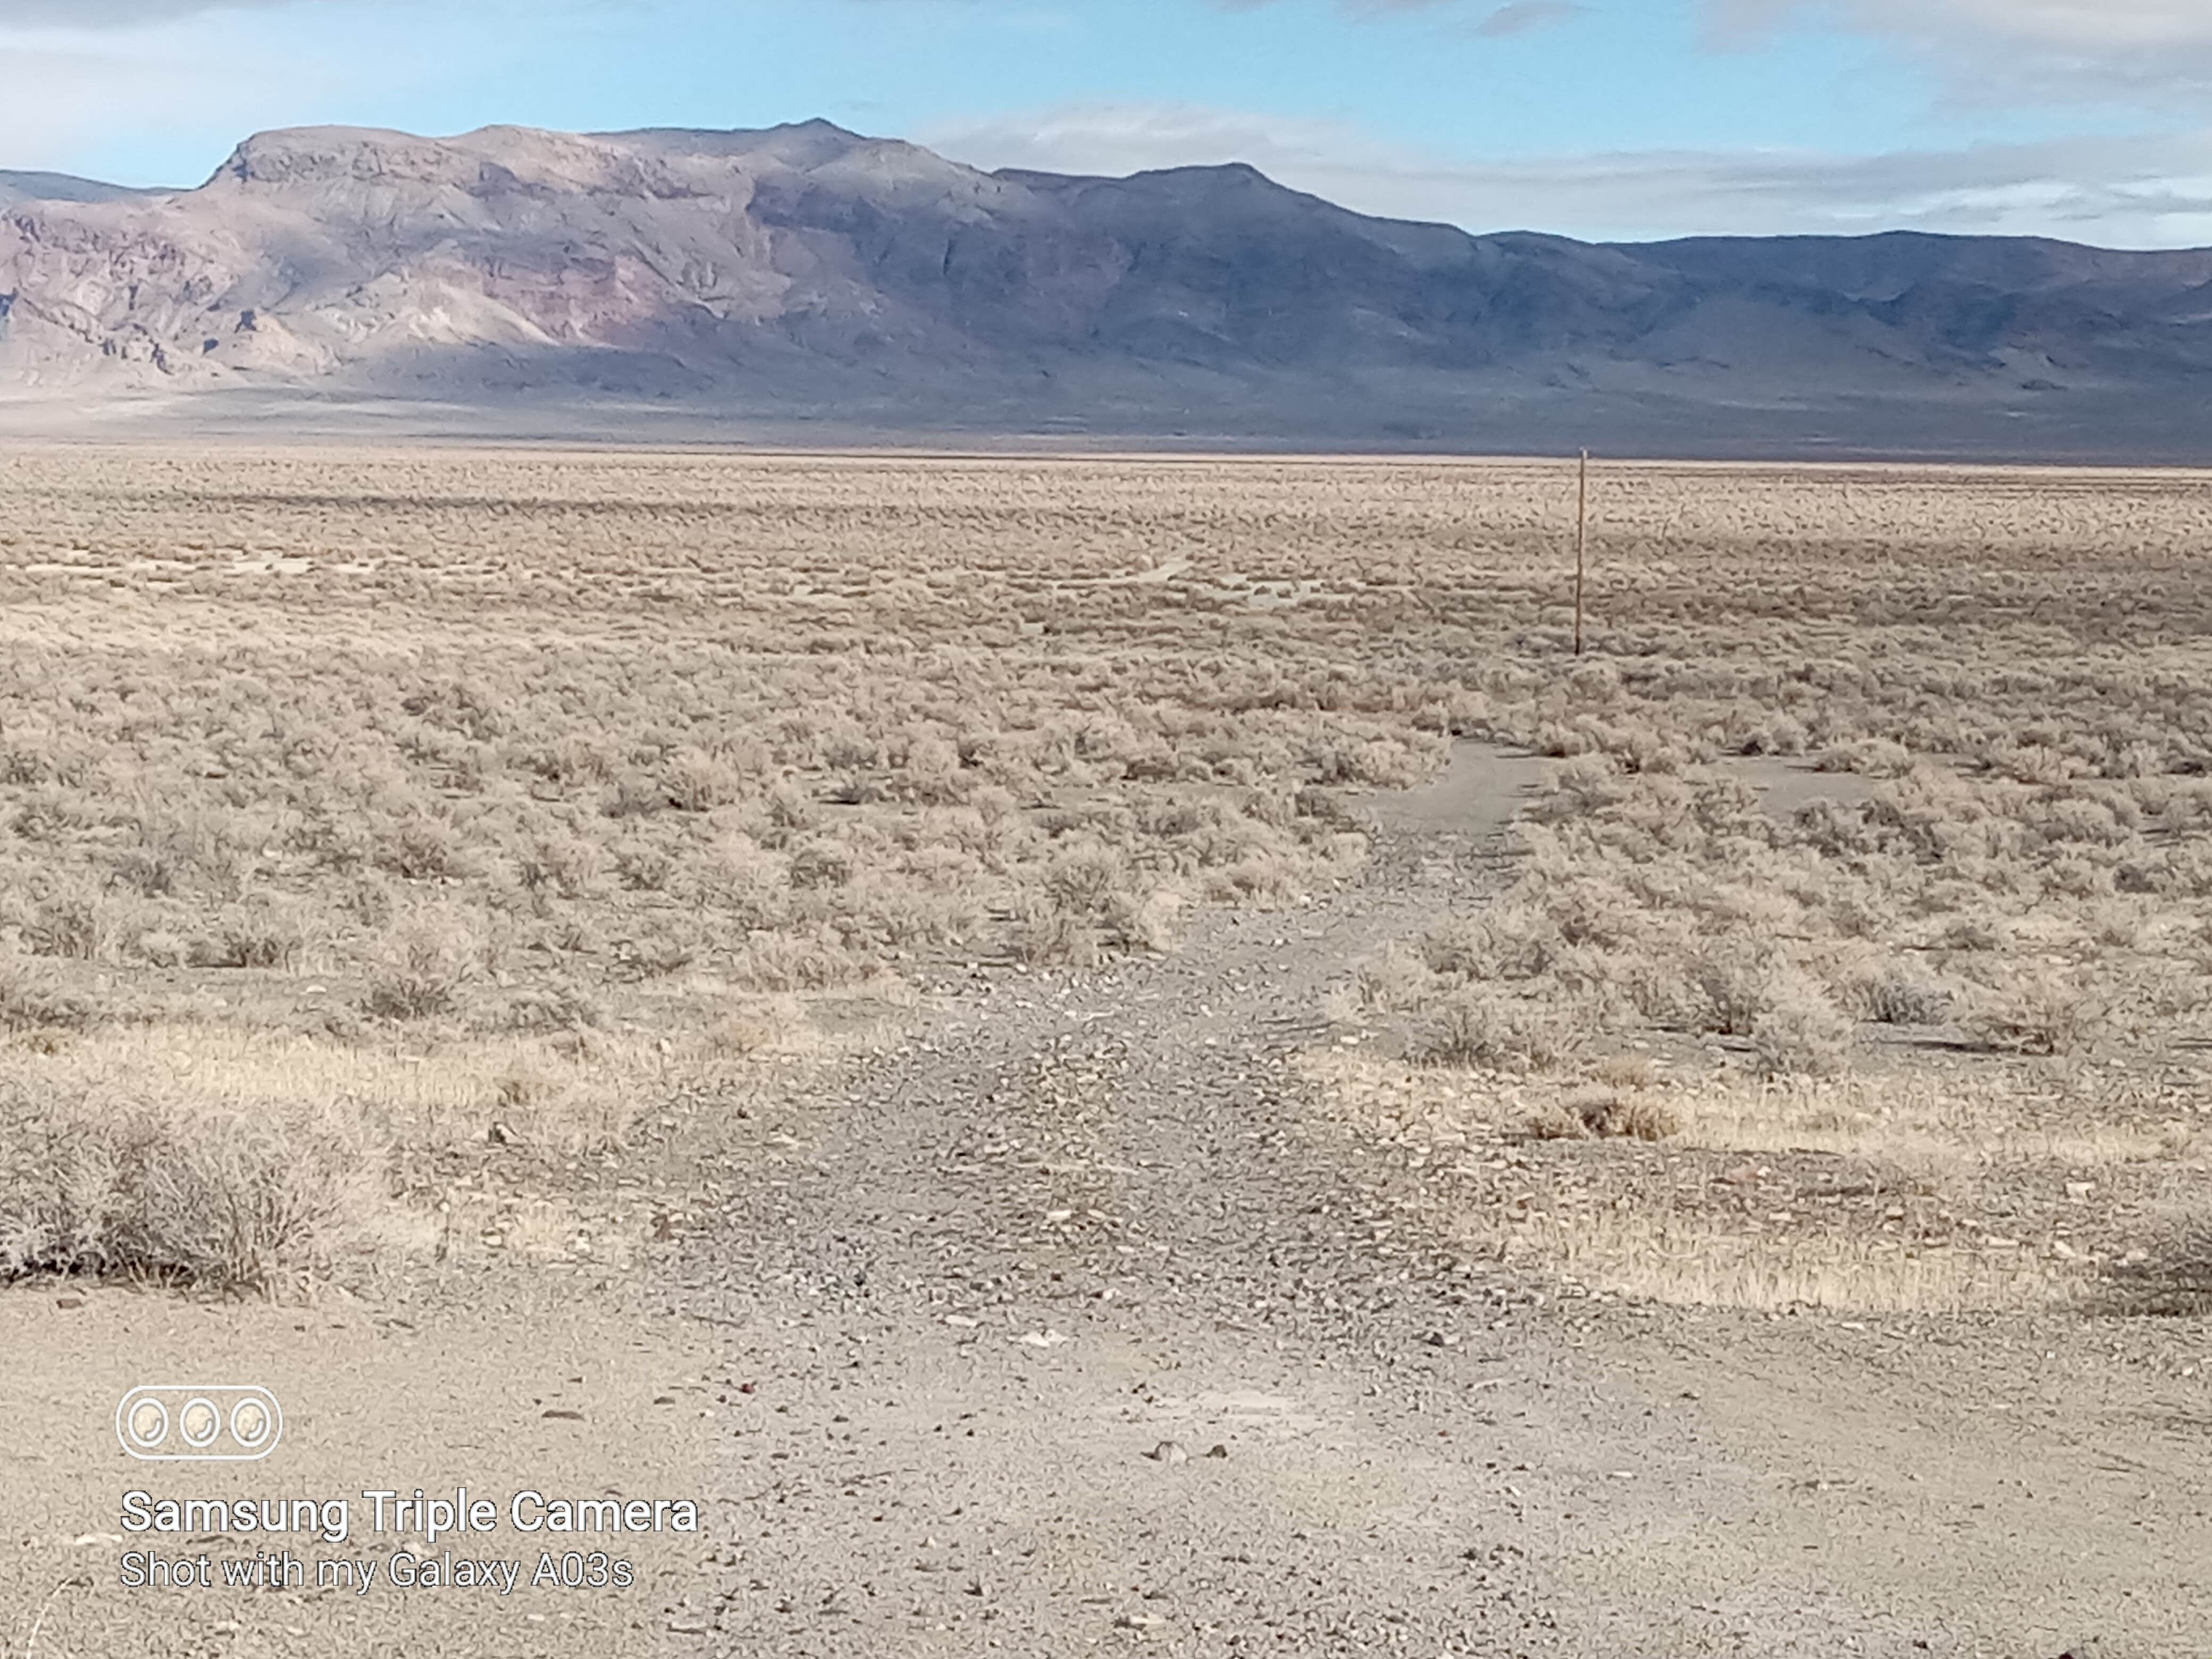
(1581, 544)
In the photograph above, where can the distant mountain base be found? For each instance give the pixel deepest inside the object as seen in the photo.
(2081, 428)
(804, 284)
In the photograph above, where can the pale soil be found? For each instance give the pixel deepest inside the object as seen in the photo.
(1423, 1453)
(1071, 1219)
(447, 1385)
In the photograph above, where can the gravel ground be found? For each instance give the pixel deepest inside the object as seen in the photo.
(1071, 1319)
(1070, 1322)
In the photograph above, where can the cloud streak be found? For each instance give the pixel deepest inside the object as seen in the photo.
(2014, 51)
(1524, 16)
(107, 14)
(2151, 191)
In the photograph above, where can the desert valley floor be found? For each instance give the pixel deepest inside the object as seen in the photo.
(1119, 1054)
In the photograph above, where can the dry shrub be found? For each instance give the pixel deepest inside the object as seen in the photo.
(740, 876)
(1737, 982)
(1603, 1114)
(160, 948)
(1395, 981)
(812, 961)
(1485, 1029)
(418, 847)
(761, 1025)
(1152, 922)
(642, 865)
(1082, 877)
(568, 865)
(1899, 993)
(1626, 1072)
(697, 783)
(1513, 941)
(1873, 757)
(1799, 1033)
(251, 936)
(1051, 935)
(540, 1010)
(557, 1106)
(1750, 991)
(2171, 1272)
(77, 924)
(421, 964)
(34, 999)
(2039, 1012)
(174, 1191)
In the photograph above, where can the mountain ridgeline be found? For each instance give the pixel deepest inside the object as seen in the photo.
(803, 277)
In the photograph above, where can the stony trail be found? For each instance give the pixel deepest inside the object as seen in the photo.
(1069, 1323)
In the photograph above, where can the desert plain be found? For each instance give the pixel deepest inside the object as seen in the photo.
(1121, 1053)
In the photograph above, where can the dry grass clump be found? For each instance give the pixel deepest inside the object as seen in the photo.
(760, 1025)
(1481, 1028)
(2042, 1012)
(1687, 1265)
(420, 965)
(33, 1000)
(1603, 1114)
(267, 1161)
(175, 1189)
(1892, 1192)
(1898, 993)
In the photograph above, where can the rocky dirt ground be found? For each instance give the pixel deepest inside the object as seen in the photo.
(1068, 1319)
(501, 1381)
(1070, 1322)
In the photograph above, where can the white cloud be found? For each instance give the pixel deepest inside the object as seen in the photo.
(1525, 15)
(2143, 193)
(2123, 51)
(105, 14)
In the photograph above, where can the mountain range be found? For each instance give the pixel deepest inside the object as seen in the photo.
(803, 279)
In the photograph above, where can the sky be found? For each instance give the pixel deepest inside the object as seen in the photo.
(1610, 120)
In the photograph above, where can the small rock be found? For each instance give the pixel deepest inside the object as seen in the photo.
(66, 1301)
(1217, 1449)
(562, 1411)
(1169, 1451)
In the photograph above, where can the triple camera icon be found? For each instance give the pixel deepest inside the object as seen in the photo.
(199, 1422)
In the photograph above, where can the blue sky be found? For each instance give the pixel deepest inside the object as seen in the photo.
(1593, 117)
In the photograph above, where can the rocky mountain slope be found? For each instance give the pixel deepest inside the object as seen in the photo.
(805, 274)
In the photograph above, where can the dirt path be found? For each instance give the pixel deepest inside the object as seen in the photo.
(1075, 1221)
